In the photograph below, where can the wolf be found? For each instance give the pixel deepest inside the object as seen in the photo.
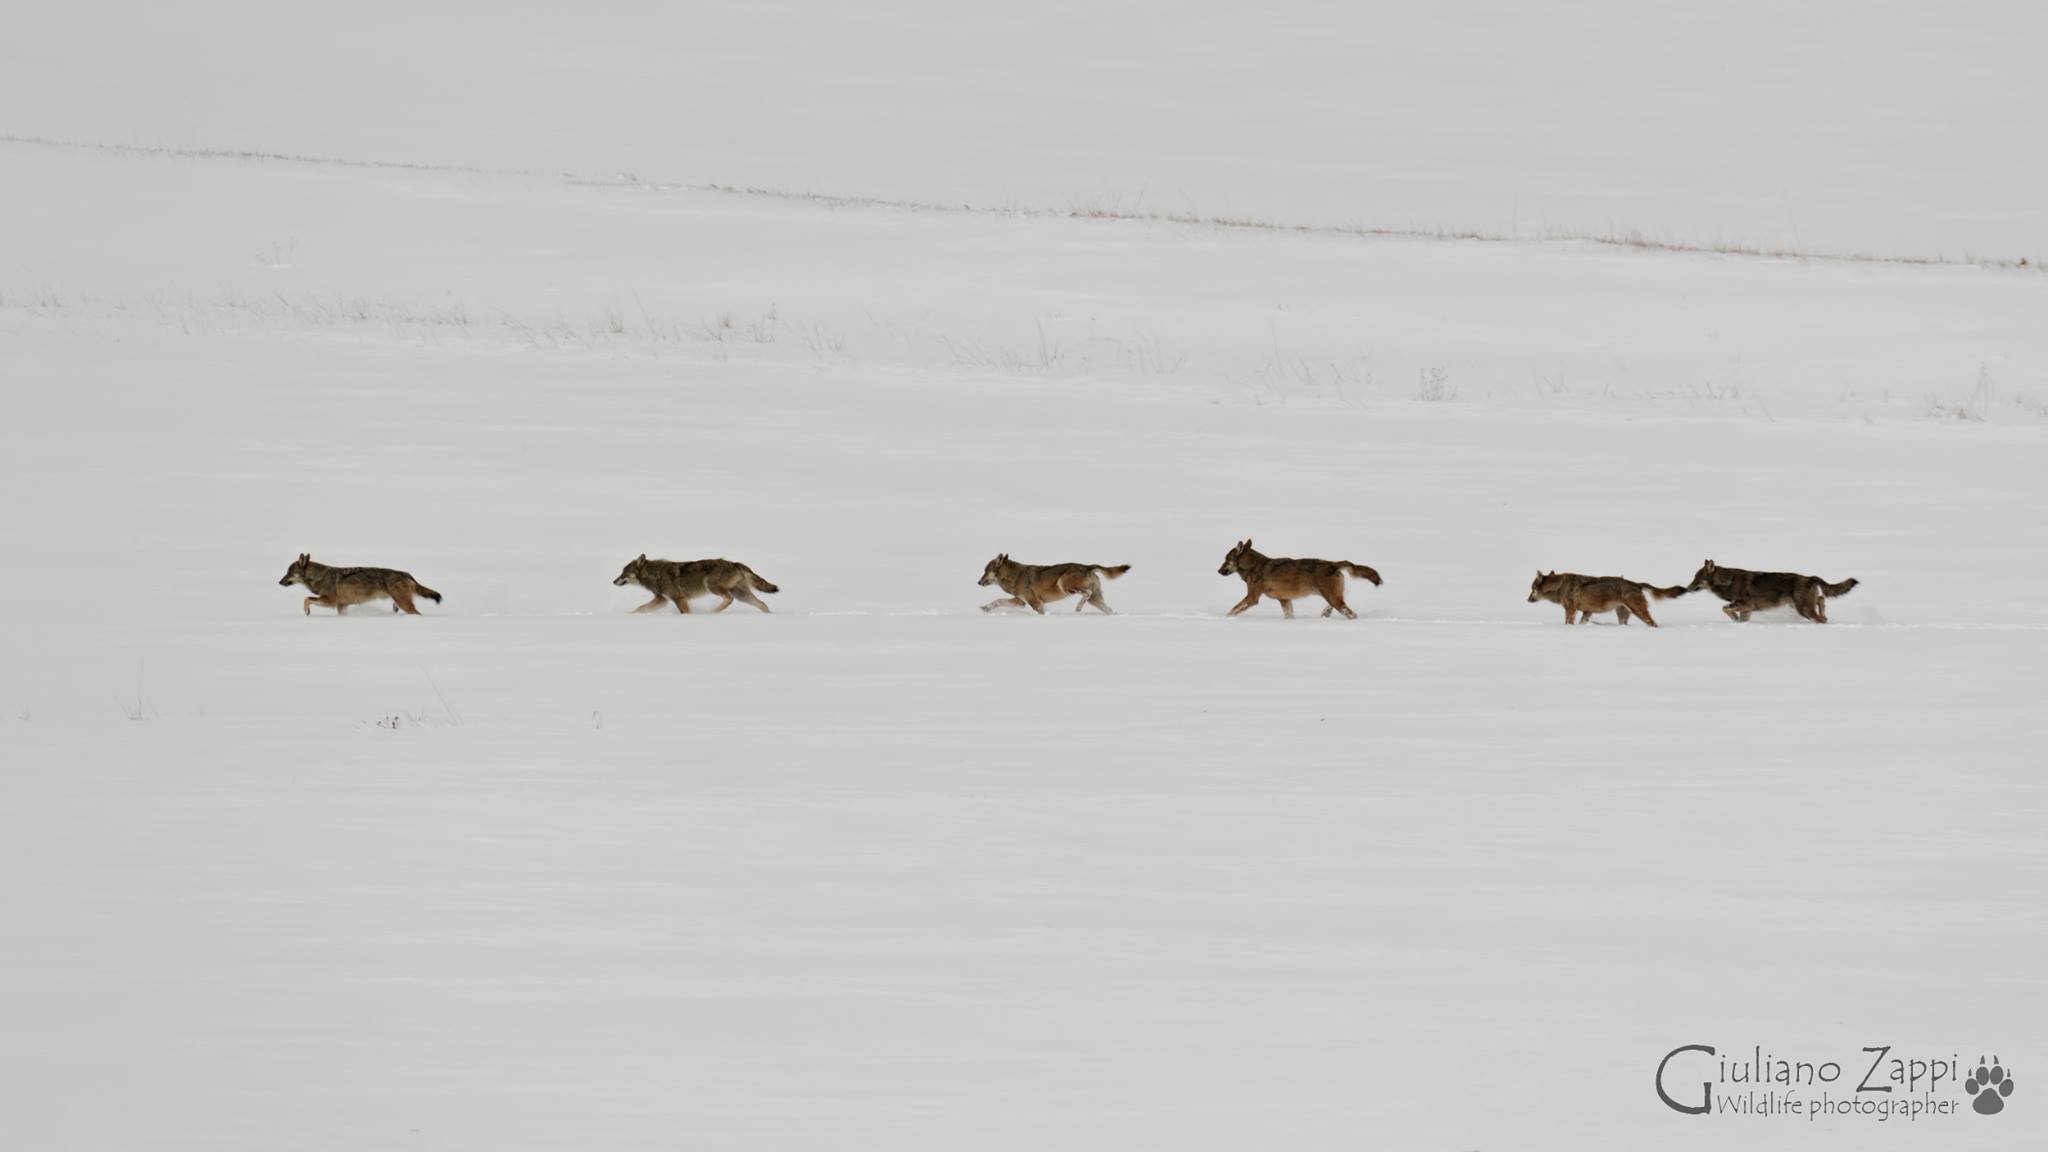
(678, 580)
(1747, 592)
(1288, 580)
(1034, 586)
(337, 588)
(1582, 596)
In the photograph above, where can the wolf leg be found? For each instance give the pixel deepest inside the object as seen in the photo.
(746, 596)
(1250, 598)
(651, 605)
(682, 603)
(1005, 602)
(1080, 586)
(724, 602)
(1812, 604)
(1088, 590)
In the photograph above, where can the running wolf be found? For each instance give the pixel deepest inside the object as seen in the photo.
(337, 588)
(1289, 580)
(1582, 596)
(1034, 586)
(1747, 591)
(678, 580)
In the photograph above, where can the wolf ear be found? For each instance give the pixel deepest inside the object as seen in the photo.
(643, 556)
(304, 556)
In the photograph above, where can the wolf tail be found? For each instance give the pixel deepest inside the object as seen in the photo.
(1111, 570)
(1360, 571)
(760, 584)
(1841, 589)
(1671, 593)
(423, 590)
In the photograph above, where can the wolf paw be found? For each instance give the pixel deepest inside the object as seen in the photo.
(1990, 1085)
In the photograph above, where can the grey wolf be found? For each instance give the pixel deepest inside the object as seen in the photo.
(1034, 586)
(676, 581)
(337, 588)
(1288, 580)
(1747, 592)
(1582, 596)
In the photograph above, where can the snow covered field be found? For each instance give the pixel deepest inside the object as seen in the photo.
(881, 871)
(1902, 127)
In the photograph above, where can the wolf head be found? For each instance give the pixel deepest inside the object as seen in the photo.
(1703, 578)
(1544, 586)
(296, 574)
(632, 571)
(988, 573)
(1235, 557)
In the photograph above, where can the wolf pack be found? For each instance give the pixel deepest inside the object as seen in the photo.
(1284, 579)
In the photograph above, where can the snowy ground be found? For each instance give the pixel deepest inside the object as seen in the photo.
(1837, 125)
(881, 871)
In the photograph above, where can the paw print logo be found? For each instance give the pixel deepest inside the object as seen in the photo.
(1990, 1085)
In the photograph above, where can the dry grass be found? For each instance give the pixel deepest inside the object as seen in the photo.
(1097, 211)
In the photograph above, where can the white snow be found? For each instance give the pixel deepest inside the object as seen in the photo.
(879, 870)
(1903, 127)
